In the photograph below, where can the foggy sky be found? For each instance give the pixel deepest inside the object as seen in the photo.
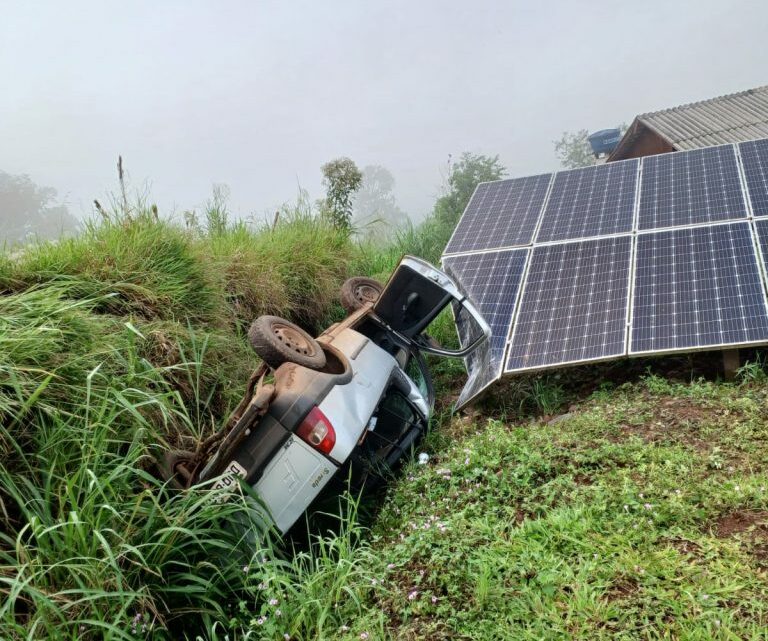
(258, 94)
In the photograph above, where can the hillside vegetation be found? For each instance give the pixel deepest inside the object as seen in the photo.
(642, 513)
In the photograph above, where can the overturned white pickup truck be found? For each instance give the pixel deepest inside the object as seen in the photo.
(359, 396)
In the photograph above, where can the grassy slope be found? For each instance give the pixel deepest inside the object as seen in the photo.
(643, 514)
(110, 343)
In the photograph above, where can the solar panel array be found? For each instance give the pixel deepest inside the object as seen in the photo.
(659, 254)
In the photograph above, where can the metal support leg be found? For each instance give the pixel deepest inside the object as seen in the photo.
(730, 363)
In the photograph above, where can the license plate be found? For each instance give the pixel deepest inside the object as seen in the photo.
(229, 477)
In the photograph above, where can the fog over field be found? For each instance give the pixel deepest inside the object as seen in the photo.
(258, 95)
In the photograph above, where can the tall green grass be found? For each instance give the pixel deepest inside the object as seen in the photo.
(153, 268)
(114, 344)
(293, 269)
(214, 274)
(87, 537)
(101, 546)
(130, 338)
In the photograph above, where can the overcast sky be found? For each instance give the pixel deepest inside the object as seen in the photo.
(258, 94)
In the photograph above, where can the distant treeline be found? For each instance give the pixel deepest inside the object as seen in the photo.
(28, 211)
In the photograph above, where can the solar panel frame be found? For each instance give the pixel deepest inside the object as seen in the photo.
(622, 327)
(753, 155)
(692, 229)
(616, 197)
(676, 191)
(515, 223)
(632, 276)
(761, 253)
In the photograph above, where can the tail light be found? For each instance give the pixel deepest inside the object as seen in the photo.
(317, 431)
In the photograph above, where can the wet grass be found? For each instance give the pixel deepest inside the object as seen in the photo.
(642, 514)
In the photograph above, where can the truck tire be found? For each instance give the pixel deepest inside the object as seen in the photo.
(356, 292)
(277, 341)
(168, 468)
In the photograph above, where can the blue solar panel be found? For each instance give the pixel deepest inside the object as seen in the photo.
(592, 201)
(697, 287)
(574, 304)
(685, 188)
(501, 214)
(754, 157)
(491, 280)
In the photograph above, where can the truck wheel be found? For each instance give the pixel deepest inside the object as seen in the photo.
(356, 292)
(174, 466)
(277, 341)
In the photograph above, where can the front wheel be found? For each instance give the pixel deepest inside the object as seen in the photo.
(356, 292)
(277, 341)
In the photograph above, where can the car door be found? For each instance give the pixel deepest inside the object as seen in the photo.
(413, 297)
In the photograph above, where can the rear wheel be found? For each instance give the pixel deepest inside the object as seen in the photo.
(277, 341)
(356, 292)
(176, 468)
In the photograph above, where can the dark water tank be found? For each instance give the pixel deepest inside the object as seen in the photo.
(604, 141)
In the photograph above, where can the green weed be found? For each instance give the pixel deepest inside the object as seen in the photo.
(754, 371)
(547, 394)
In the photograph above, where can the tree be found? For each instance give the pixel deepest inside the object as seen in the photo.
(341, 179)
(463, 177)
(374, 204)
(573, 150)
(28, 211)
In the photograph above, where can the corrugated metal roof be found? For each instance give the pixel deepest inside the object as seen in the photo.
(726, 119)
